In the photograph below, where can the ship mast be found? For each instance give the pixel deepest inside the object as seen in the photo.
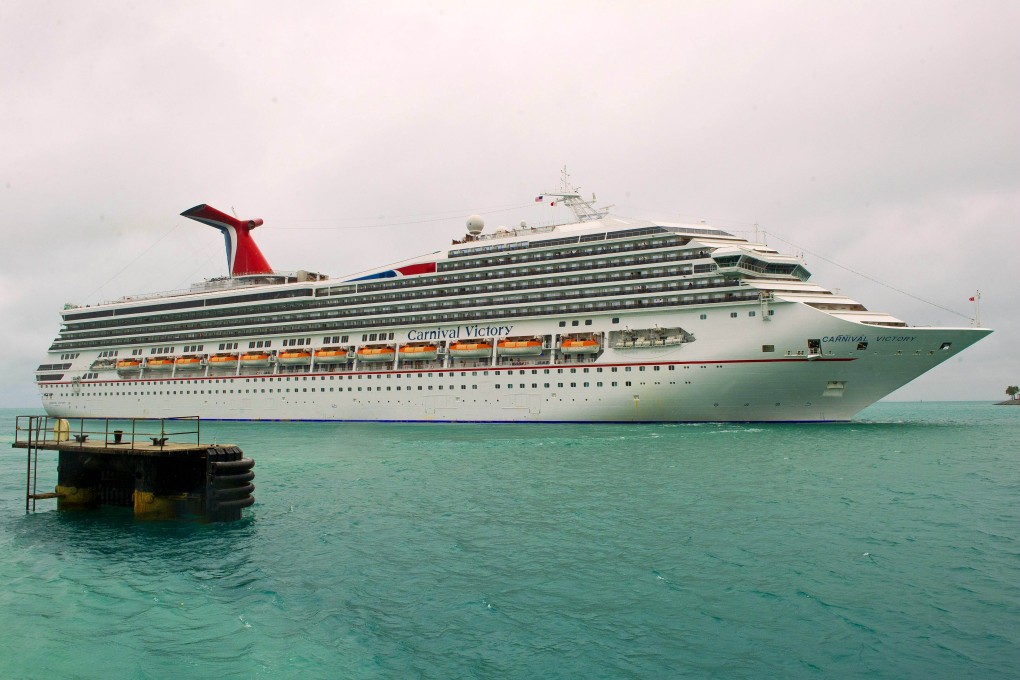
(570, 196)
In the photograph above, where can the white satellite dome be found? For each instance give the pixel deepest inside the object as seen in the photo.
(475, 224)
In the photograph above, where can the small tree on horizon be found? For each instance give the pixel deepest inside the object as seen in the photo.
(1012, 391)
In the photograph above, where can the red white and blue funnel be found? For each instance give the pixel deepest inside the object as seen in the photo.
(243, 256)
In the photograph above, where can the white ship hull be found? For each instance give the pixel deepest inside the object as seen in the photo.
(725, 374)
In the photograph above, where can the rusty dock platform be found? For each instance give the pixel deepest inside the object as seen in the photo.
(157, 466)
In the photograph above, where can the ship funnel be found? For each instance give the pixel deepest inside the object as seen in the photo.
(243, 255)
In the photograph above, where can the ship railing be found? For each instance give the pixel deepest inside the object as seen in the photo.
(202, 287)
(124, 433)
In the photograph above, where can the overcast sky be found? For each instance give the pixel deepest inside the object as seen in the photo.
(877, 137)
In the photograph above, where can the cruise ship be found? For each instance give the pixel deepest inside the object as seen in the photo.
(602, 319)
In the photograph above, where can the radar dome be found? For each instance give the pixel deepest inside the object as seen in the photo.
(475, 224)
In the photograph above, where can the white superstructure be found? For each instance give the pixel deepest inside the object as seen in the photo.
(605, 319)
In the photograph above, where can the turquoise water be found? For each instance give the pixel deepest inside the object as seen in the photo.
(884, 548)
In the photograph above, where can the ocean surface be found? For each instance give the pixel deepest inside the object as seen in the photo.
(883, 548)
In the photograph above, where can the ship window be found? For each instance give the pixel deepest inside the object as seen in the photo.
(587, 322)
(768, 348)
(704, 316)
(772, 312)
(562, 324)
(627, 383)
(751, 313)
(733, 315)
(616, 319)
(945, 345)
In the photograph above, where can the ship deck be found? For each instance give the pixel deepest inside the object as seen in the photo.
(155, 437)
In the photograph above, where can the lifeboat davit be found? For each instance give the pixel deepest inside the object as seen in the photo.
(419, 353)
(188, 363)
(255, 359)
(377, 353)
(160, 364)
(301, 357)
(579, 345)
(470, 350)
(519, 347)
(331, 355)
(223, 361)
(129, 365)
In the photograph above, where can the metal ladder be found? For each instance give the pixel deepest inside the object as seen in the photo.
(37, 429)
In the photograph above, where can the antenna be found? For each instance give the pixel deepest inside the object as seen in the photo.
(570, 196)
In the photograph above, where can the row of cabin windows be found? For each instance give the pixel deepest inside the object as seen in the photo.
(581, 251)
(69, 356)
(80, 330)
(642, 261)
(407, 376)
(501, 246)
(283, 390)
(428, 284)
(624, 246)
(448, 317)
(650, 288)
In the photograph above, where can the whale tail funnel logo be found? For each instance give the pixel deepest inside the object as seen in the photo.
(243, 255)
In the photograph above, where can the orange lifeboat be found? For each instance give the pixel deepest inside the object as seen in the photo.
(519, 347)
(296, 357)
(223, 361)
(579, 345)
(188, 362)
(471, 350)
(255, 359)
(419, 353)
(331, 355)
(376, 353)
(129, 365)
(160, 363)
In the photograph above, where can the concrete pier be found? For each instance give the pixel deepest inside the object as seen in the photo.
(158, 467)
